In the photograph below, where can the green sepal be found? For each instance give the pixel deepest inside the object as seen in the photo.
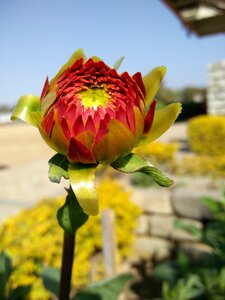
(27, 109)
(82, 181)
(134, 163)
(118, 63)
(163, 120)
(71, 216)
(79, 53)
(58, 168)
(152, 82)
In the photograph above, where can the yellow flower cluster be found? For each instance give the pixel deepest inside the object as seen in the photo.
(34, 239)
(206, 135)
(158, 151)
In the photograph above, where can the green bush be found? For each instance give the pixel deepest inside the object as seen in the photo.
(206, 135)
(185, 279)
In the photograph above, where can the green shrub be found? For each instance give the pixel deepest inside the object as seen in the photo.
(206, 135)
(187, 279)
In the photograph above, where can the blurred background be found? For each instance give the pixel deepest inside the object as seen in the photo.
(171, 239)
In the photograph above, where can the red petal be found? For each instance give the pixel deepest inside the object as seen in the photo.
(71, 114)
(48, 121)
(138, 78)
(78, 126)
(78, 63)
(149, 117)
(90, 125)
(101, 131)
(121, 115)
(130, 117)
(65, 128)
(79, 153)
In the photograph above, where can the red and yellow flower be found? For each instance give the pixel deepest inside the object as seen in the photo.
(91, 114)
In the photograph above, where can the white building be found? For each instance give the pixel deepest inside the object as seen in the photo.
(216, 88)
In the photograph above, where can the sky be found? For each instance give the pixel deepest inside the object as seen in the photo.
(38, 36)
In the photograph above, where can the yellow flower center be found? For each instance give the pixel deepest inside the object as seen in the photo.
(94, 97)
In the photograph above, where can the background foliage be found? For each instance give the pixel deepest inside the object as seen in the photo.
(34, 239)
(206, 135)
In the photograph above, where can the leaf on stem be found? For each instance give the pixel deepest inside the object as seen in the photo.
(134, 163)
(71, 216)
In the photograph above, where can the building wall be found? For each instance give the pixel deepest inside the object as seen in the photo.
(157, 233)
(216, 88)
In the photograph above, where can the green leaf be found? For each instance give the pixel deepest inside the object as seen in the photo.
(58, 167)
(194, 230)
(20, 292)
(51, 279)
(5, 271)
(134, 163)
(87, 296)
(165, 272)
(213, 205)
(106, 290)
(118, 63)
(71, 216)
(82, 180)
(27, 109)
(185, 289)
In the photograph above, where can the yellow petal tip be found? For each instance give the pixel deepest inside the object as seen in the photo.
(163, 71)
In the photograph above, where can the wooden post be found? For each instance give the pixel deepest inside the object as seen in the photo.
(109, 241)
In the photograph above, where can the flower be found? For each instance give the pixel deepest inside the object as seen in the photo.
(91, 114)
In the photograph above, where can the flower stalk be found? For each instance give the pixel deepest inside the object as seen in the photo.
(67, 266)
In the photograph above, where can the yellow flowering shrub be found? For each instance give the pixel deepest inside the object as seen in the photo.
(202, 165)
(206, 135)
(158, 151)
(33, 238)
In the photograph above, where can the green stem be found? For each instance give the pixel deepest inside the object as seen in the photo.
(67, 265)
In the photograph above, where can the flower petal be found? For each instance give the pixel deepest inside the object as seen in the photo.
(82, 181)
(117, 141)
(48, 101)
(163, 119)
(152, 82)
(139, 123)
(149, 117)
(78, 152)
(96, 58)
(76, 55)
(25, 107)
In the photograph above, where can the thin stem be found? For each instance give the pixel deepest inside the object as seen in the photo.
(67, 265)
